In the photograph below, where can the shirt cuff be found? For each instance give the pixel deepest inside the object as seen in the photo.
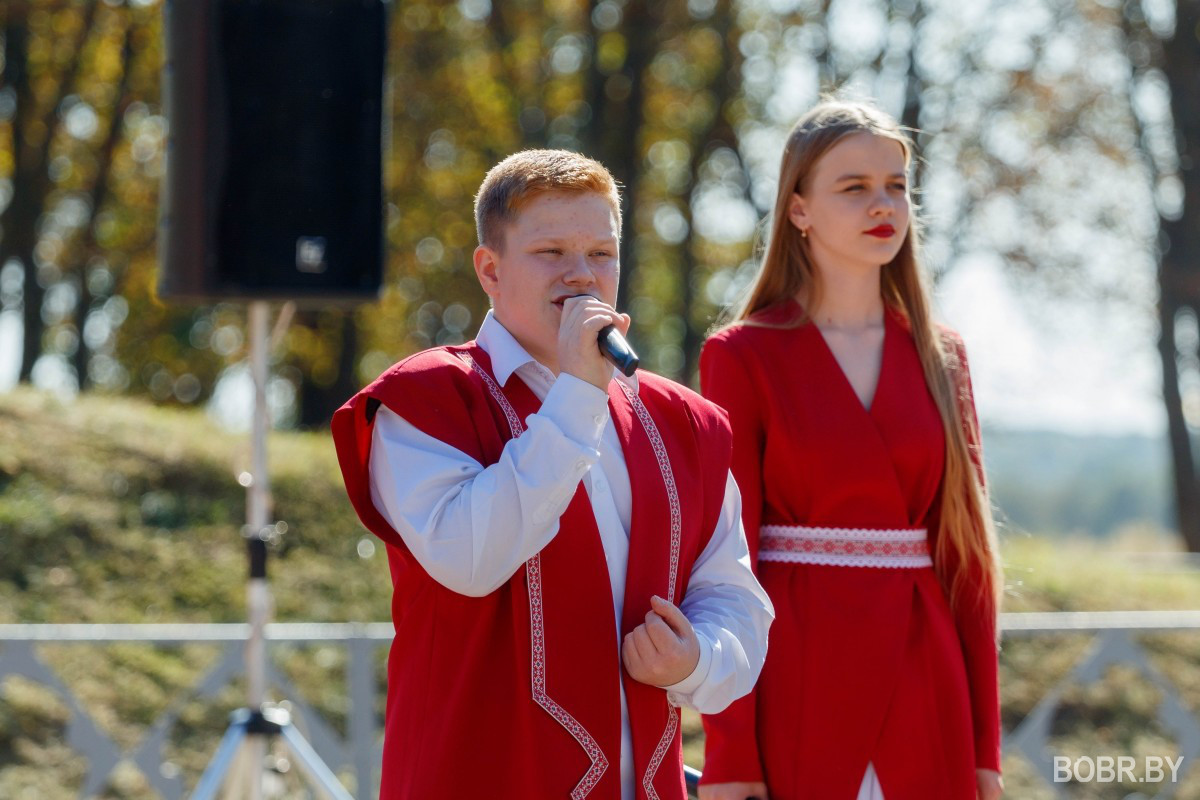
(579, 409)
(680, 694)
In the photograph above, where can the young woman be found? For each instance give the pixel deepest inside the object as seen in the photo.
(857, 451)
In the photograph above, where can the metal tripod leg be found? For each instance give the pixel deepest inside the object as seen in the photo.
(318, 773)
(220, 766)
(245, 727)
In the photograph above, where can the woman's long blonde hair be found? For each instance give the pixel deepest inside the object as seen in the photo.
(965, 550)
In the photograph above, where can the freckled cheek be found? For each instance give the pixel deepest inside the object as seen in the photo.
(608, 278)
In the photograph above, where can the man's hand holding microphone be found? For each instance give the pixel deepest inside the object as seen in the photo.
(583, 319)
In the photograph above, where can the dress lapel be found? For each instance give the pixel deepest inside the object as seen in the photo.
(835, 368)
(856, 441)
(907, 421)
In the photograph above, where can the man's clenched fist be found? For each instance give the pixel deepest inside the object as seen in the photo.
(662, 650)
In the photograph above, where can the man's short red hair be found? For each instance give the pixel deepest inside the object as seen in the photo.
(522, 176)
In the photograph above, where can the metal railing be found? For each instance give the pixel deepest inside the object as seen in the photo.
(358, 751)
(1112, 644)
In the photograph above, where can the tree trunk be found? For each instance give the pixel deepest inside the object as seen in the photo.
(914, 87)
(1179, 271)
(719, 132)
(525, 96)
(618, 110)
(30, 181)
(98, 195)
(20, 218)
(317, 402)
(1187, 498)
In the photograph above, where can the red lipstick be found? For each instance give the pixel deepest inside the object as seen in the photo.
(882, 232)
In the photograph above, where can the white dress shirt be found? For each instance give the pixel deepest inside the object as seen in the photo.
(472, 527)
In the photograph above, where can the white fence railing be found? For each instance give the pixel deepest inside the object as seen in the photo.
(358, 751)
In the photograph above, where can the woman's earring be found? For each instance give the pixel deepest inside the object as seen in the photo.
(804, 233)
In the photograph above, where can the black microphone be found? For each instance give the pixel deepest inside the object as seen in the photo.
(617, 350)
(614, 347)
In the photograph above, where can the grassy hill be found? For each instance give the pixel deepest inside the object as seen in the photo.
(114, 510)
(120, 511)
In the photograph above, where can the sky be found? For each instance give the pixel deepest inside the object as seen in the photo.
(1088, 375)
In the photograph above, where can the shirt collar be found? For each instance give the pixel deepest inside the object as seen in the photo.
(508, 355)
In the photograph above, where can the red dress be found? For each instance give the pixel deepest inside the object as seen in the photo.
(865, 664)
(514, 695)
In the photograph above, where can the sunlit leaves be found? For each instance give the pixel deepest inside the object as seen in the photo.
(1030, 149)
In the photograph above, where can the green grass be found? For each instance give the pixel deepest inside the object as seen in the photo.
(119, 511)
(1139, 568)
(114, 510)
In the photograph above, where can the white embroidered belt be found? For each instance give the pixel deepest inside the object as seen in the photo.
(903, 548)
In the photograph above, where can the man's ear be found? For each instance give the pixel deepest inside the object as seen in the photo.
(486, 264)
(798, 212)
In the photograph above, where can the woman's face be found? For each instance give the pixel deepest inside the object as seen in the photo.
(855, 207)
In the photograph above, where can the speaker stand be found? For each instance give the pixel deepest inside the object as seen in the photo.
(248, 735)
(238, 761)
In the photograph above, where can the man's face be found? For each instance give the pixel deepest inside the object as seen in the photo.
(561, 244)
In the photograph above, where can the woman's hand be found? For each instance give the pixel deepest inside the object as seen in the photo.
(989, 784)
(733, 791)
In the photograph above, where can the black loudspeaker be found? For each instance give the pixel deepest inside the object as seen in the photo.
(274, 179)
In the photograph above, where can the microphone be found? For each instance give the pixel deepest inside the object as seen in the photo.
(614, 347)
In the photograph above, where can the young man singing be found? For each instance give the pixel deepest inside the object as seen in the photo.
(565, 543)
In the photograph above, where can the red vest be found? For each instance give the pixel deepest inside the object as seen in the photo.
(515, 694)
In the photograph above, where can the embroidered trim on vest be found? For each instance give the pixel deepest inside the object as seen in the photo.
(664, 466)
(902, 548)
(533, 576)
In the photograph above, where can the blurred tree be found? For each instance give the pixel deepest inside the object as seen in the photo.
(84, 159)
(1023, 107)
(43, 45)
(625, 39)
(1058, 135)
(1181, 243)
(716, 134)
(88, 252)
(629, 83)
(1165, 51)
(618, 80)
(134, 341)
(329, 377)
